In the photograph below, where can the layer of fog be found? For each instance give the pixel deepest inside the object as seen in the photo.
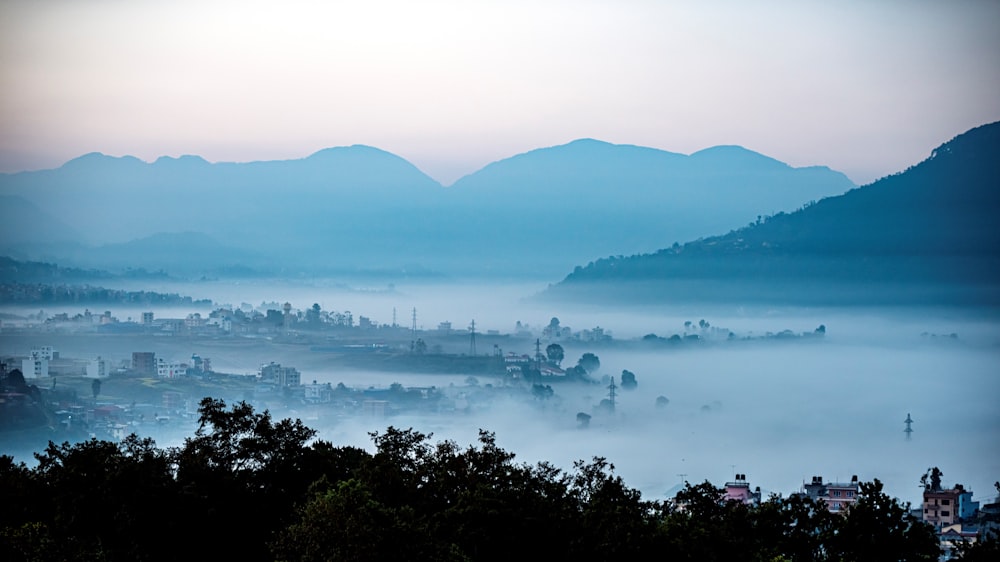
(778, 411)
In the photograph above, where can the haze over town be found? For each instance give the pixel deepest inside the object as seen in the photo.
(707, 241)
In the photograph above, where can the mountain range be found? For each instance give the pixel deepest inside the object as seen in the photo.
(929, 234)
(358, 208)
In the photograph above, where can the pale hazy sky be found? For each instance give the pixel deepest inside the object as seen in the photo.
(866, 87)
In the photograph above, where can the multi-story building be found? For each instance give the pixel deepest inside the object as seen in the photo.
(317, 393)
(967, 509)
(274, 373)
(144, 362)
(36, 365)
(375, 408)
(98, 368)
(837, 496)
(947, 507)
(170, 369)
(739, 490)
(940, 507)
(841, 495)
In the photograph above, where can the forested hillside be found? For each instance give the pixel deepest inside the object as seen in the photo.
(932, 227)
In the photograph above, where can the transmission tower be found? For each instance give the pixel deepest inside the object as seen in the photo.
(472, 338)
(611, 393)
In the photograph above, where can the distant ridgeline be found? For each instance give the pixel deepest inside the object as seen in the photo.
(357, 208)
(926, 235)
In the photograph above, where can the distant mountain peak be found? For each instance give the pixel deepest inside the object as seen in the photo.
(732, 153)
(184, 160)
(92, 159)
(354, 149)
(933, 225)
(586, 141)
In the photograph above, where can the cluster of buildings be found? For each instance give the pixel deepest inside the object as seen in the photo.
(836, 496)
(517, 364)
(952, 512)
(41, 360)
(45, 361)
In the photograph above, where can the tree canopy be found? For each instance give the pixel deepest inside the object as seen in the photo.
(247, 487)
(555, 353)
(589, 362)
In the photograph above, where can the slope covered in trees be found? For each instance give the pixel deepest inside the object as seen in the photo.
(928, 233)
(247, 487)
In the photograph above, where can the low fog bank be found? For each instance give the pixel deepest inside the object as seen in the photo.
(779, 411)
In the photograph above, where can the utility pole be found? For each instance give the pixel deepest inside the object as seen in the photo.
(413, 332)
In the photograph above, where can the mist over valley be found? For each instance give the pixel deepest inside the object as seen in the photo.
(794, 346)
(474, 282)
(777, 405)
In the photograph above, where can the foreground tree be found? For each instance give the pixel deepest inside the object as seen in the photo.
(245, 487)
(931, 480)
(243, 474)
(95, 500)
(589, 363)
(628, 380)
(555, 353)
(877, 525)
(347, 523)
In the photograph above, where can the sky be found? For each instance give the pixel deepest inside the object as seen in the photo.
(865, 87)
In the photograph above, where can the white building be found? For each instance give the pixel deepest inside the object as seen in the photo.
(37, 364)
(274, 373)
(98, 369)
(170, 369)
(35, 367)
(223, 324)
(317, 393)
(44, 352)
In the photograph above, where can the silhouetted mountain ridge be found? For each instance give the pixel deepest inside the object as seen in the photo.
(359, 207)
(933, 223)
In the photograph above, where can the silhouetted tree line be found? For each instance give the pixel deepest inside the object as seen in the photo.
(245, 487)
(15, 270)
(27, 293)
(24, 271)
